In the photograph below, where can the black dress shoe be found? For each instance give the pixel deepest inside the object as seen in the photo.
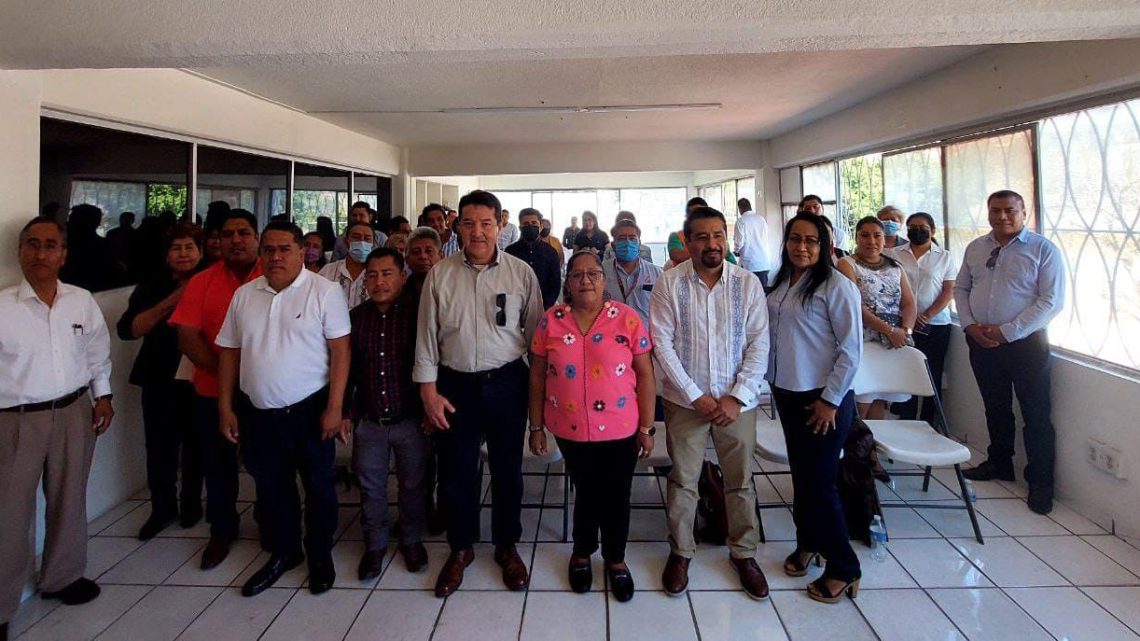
(79, 592)
(581, 576)
(155, 524)
(3, 632)
(371, 564)
(322, 575)
(990, 471)
(1040, 500)
(269, 573)
(216, 551)
(621, 584)
(415, 557)
(191, 514)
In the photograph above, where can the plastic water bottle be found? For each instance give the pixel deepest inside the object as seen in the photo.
(878, 540)
(971, 494)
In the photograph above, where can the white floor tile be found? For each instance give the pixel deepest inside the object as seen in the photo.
(129, 524)
(232, 617)
(879, 575)
(1121, 602)
(326, 617)
(647, 525)
(1074, 522)
(956, 523)
(84, 622)
(778, 524)
(733, 616)
(988, 615)
(152, 563)
(905, 523)
(200, 530)
(765, 491)
(906, 615)
(934, 563)
(103, 552)
(397, 577)
(982, 489)
(109, 517)
(242, 553)
(807, 620)
(653, 615)
(1078, 561)
(162, 615)
(346, 557)
(484, 573)
(565, 616)
(909, 488)
(486, 616)
(548, 572)
(31, 612)
(529, 520)
(646, 561)
(1070, 615)
(1014, 517)
(710, 569)
(1117, 549)
(396, 616)
(1008, 564)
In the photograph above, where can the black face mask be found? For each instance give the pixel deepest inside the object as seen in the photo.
(545, 232)
(530, 233)
(917, 236)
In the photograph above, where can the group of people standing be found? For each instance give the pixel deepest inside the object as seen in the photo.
(442, 353)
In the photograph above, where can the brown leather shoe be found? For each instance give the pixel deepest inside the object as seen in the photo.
(216, 551)
(415, 557)
(751, 578)
(514, 570)
(675, 578)
(451, 575)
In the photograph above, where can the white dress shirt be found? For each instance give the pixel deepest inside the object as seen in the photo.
(283, 337)
(49, 352)
(750, 242)
(509, 235)
(353, 289)
(817, 345)
(459, 317)
(709, 341)
(1021, 293)
(927, 275)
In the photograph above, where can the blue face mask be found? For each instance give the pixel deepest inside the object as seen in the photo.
(626, 250)
(890, 228)
(359, 251)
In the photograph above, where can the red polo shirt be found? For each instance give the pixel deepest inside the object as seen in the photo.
(203, 306)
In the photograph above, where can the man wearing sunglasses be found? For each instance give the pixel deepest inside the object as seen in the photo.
(477, 313)
(1012, 283)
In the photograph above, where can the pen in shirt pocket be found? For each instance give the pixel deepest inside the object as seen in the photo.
(76, 329)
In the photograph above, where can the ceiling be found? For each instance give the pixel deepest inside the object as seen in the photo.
(772, 65)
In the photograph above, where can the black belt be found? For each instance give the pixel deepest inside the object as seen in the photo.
(318, 397)
(56, 404)
(388, 420)
(486, 376)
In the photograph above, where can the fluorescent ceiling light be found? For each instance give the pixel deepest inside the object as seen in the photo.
(593, 109)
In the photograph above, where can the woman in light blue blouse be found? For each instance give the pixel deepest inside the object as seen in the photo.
(814, 321)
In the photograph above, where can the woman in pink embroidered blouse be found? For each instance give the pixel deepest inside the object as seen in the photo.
(591, 385)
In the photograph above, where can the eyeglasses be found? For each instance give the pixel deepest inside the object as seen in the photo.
(810, 241)
(992, 262)
(594, 275)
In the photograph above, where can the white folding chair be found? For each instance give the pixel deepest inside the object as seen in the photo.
(905, 371)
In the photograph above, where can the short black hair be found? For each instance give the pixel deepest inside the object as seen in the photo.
(744, 204)
(483, 198)
(361, 204)
(624, 222)
(529, 211)
(381, 252)
(1006, 193)
(126, 215)
(433, 207)
(397, 221)
(811, 197)
(694, 202)
(286, 226)
(44, 220)
(701, 213)
(358, 224)
(243, 214)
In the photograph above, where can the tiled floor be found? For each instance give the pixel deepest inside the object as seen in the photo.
(1036, 578)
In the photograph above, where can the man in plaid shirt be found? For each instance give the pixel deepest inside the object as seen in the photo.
(384, 403)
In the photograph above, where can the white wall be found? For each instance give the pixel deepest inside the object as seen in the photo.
(19, 162)
(997, 83)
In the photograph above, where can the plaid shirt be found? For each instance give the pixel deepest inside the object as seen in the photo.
(383, 351)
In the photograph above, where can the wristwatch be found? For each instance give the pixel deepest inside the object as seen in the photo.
(536, 428)
(648, 431)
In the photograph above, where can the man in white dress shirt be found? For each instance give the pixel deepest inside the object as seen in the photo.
(750, 241)
(348, 272)
(55, 353)
(710, 332)
(286, 333)
(509, 233)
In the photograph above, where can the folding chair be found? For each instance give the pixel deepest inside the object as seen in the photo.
(905, 371)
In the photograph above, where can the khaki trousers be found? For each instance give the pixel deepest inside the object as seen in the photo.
(686, 436)
(57, 446)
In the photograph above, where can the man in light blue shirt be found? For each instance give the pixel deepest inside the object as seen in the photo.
(1012, 283)
(629, 276)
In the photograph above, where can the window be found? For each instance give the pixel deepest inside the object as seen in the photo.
(112, 197)
(860, 190)
(236, 197)
(1090, 194)
(310, 204)
(819, 180)
(912, 181)
(977, 168)
(659, 210)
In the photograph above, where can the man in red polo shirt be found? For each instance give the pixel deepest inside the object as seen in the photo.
(199, 317)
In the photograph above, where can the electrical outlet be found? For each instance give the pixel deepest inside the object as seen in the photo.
(1113, 459)
(1092, 453)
